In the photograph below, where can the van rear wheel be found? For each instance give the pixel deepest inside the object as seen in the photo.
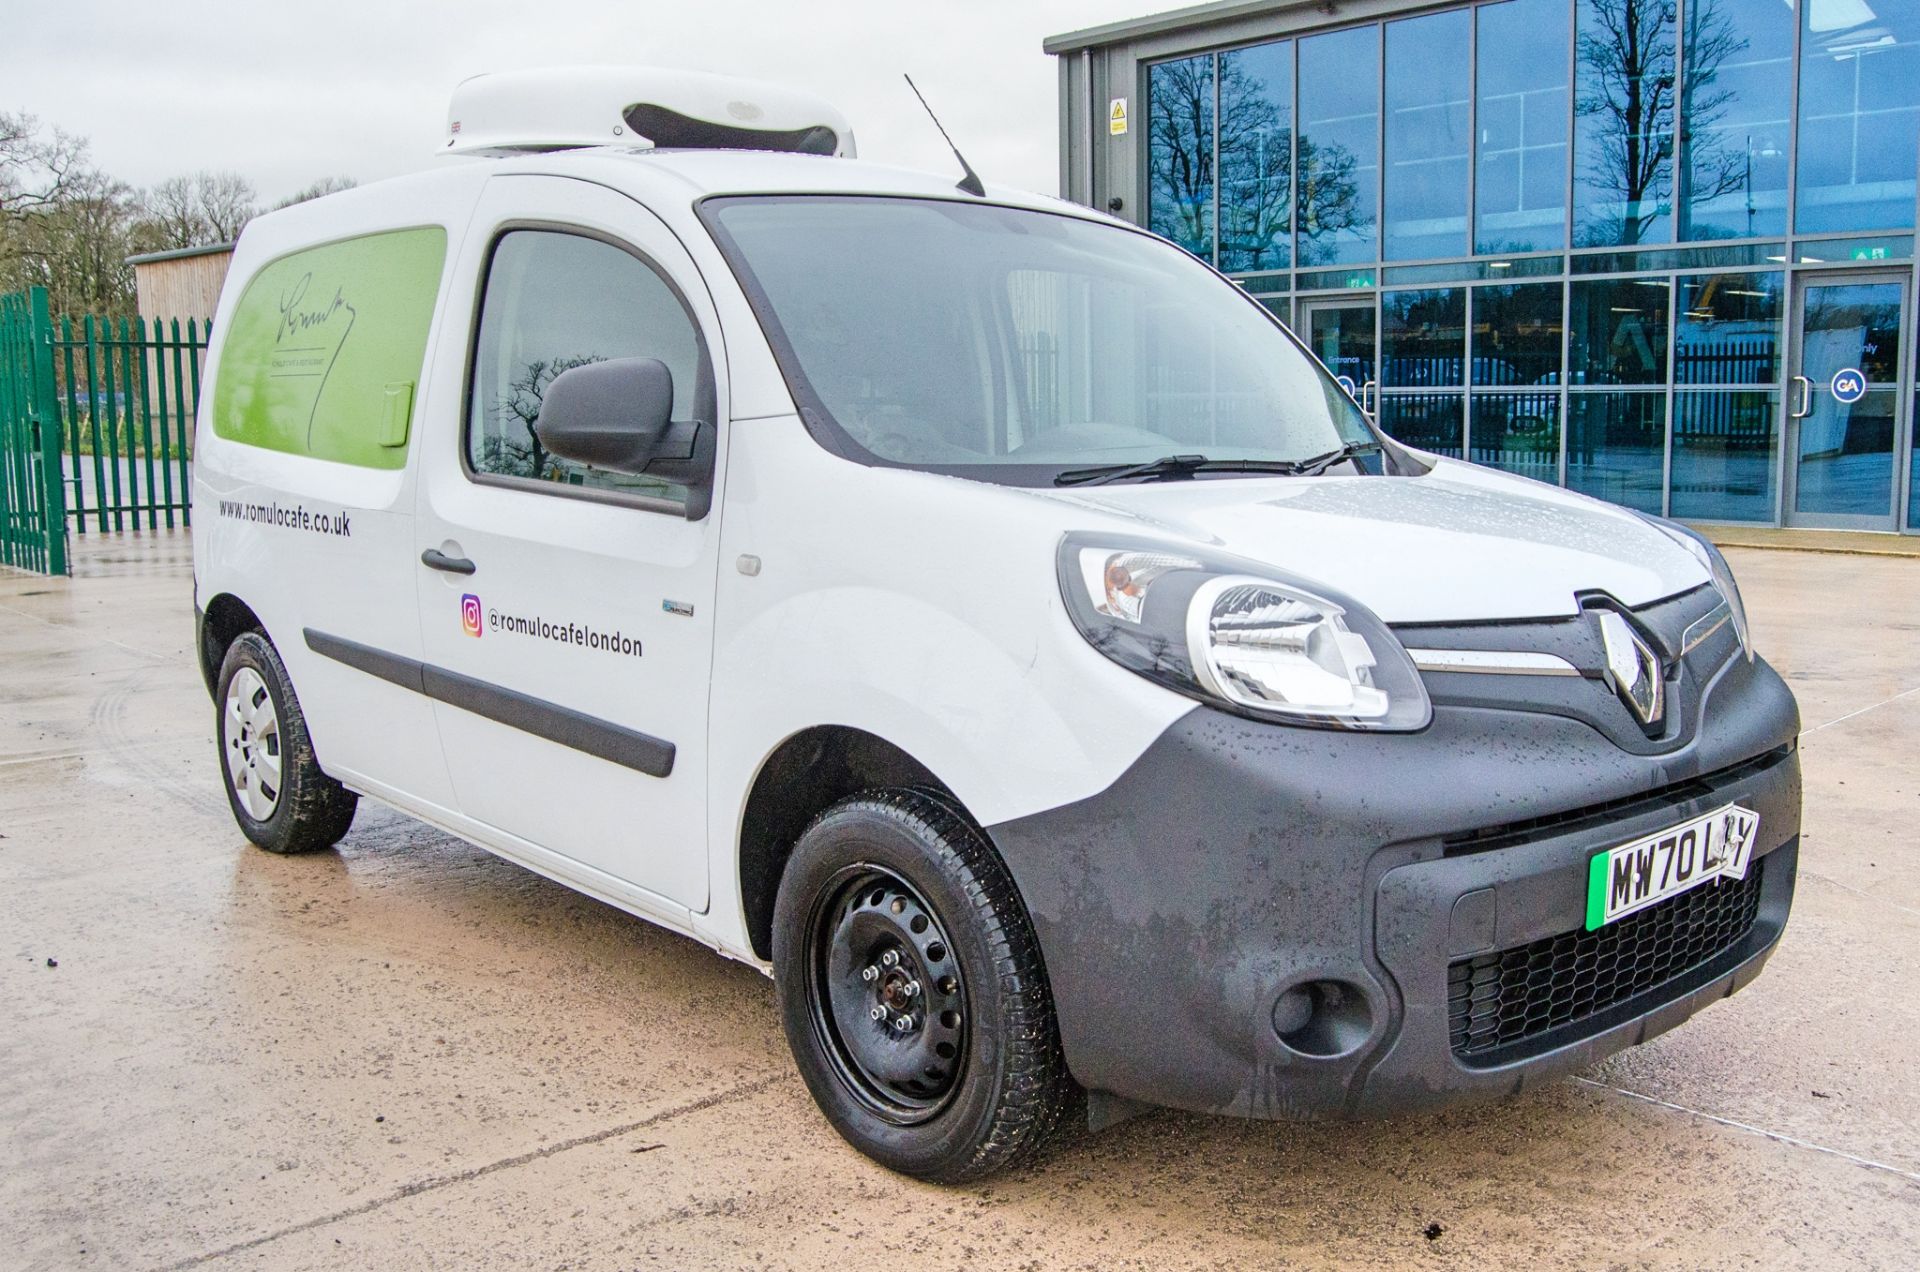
(278, 794)
(912, 990)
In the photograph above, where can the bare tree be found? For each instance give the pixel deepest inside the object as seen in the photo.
(1256, 172)
(1712, 168)
(1625, 50)
(1256, 169)
(318, 190)
(35, 169)
(197, 210)
(1329, 199)
(64, 224)
(508, 452)
(77, 248)
(1180, 151)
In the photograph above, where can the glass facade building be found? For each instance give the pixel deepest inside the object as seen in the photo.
(1658, 251)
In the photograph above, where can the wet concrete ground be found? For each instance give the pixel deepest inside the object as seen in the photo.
(410, 1054)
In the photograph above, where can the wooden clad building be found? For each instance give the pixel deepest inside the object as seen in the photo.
(181, 284)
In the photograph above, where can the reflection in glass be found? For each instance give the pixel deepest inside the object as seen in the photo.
(1722, 257)
(1334, 279)
(1521, 189)
(1340, 147)
(1427, 421)
(1729, 330)
(555, 302)
(1423, 338)
(1425, 189)
(1517, 432)
(1724, 448)
(1516, 334)
(1619, 331)
(1735, 125)
(1180, 152)
(1342, 337)
(1845, 456)
(1256, 157)
(1623, 122)
(1846, 448)
(1859, 114)
(1506, 270)
(1616, 445)
(1891, 247)
(1913, 474)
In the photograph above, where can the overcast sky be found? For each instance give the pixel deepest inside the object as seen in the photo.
(285, 93)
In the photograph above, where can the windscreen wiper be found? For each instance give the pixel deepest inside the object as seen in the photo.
(1171, 466)
(1177, 466)
(1320, 463)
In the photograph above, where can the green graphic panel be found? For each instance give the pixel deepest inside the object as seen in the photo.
(323, 352)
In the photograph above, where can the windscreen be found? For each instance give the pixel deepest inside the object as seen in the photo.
(1015, 345)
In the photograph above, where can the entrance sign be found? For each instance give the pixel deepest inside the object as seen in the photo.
(1849, 386)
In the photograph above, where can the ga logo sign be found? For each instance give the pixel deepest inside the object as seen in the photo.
(1849, 386)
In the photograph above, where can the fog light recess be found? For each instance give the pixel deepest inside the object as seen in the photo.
(1322, 1019)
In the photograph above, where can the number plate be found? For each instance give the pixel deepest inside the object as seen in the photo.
(1627, 879)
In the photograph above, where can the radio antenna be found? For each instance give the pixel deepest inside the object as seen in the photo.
(971, 182)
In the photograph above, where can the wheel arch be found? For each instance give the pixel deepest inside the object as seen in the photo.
(222, 622)
(804, 775)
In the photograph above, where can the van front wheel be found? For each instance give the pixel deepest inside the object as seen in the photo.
(278, 794)
(912, 990)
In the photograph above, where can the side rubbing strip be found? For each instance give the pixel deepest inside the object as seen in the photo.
(404, 672)
(543, 719)
(575, 729)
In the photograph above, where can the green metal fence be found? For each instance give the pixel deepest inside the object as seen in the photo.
(96, 426)
(33, 530)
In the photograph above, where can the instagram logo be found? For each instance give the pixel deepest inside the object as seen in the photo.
(470, 614)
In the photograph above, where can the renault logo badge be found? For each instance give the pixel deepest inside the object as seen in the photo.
(1633, 669)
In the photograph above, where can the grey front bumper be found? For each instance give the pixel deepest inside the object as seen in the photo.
(1236, 860)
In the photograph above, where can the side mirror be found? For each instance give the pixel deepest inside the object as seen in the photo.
(616, 415)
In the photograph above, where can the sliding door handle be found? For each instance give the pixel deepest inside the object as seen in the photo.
(1806, 397)
(435, 559)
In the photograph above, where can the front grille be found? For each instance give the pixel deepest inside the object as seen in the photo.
(1500, 1002)
(1593, 815)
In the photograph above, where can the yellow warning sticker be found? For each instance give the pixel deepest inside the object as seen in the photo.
(1117, 117)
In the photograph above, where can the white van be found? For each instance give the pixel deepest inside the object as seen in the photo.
(972, 611)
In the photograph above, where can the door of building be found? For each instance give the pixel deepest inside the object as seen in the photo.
(1342, 331)
(1846, 416)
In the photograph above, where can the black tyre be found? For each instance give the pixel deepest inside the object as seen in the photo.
(278, 794)
(912, 990)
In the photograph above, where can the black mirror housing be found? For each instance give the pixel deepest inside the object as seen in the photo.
(617, 415)
(613, 415)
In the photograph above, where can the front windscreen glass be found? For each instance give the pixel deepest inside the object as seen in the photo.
(1015, 345)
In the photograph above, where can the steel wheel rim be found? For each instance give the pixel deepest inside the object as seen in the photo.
(904, 1075)
(251, 732)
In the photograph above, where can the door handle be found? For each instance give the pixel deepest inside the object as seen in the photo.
(435, 559)
(1368, 392)
(1806, 397)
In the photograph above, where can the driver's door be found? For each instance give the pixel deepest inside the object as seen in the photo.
(568, 611)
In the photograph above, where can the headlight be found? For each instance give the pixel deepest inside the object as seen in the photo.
(1717, 569)
(1240, 636)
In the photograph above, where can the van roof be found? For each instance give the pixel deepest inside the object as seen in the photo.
(667, 182)
(664, 180)
(705, 172)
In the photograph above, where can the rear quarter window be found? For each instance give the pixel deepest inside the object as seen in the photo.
(323, 351)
